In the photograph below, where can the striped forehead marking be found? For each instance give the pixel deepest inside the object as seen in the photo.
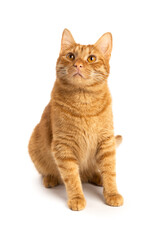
(83, 50)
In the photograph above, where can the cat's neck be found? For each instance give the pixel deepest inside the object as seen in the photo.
(64, 89)
(81, 100)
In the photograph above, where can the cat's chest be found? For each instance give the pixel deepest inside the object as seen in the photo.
(88, 139)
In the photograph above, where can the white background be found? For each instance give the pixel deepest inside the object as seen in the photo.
(30, 34)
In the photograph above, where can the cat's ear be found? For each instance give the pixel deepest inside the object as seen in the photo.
(104, 44)
(67, 40)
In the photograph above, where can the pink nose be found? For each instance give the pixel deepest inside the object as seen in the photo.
(78, 64)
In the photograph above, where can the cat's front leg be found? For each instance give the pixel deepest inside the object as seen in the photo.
(106, 159)
(69, 170)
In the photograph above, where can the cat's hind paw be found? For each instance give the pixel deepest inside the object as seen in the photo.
(50, 181)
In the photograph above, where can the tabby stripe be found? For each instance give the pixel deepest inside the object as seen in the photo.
(107, 165)
(58, 144)
(95, 84)
(109, 139)
(70, 140)
(111, 174)
(68, 160)
(106, 155)
(108, 144)
(59, 152)
(63, 104)
(68, 111)
(65, 168)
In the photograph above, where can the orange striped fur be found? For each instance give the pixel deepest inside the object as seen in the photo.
(74, 141)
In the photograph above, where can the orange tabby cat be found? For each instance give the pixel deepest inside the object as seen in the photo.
(74, 141)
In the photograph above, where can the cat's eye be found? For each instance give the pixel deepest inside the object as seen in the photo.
(91, 59)
(70, 56)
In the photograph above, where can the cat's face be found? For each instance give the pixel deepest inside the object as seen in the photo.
(84, 65)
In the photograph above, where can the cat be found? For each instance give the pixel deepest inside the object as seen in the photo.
(74, 141)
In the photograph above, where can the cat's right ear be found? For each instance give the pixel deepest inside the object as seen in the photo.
(67, 40)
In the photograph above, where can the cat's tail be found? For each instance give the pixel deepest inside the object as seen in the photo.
(118, 139)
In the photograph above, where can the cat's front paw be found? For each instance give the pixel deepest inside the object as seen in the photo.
(77, 203)
(114, 199)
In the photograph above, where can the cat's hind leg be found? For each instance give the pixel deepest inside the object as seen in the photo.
(43, 160)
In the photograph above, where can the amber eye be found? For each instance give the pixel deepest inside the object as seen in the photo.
(70, 56)
(91, 59)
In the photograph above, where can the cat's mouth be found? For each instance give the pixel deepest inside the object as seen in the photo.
(78, 74)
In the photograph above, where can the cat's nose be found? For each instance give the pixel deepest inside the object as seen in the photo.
(78, 64)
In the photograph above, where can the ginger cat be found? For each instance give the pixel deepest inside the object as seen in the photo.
(74, 141)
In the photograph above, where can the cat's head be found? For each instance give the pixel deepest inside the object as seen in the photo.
(84, 65)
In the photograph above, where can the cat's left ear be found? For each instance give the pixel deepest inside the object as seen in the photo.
(104, 44)
(67, 40)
